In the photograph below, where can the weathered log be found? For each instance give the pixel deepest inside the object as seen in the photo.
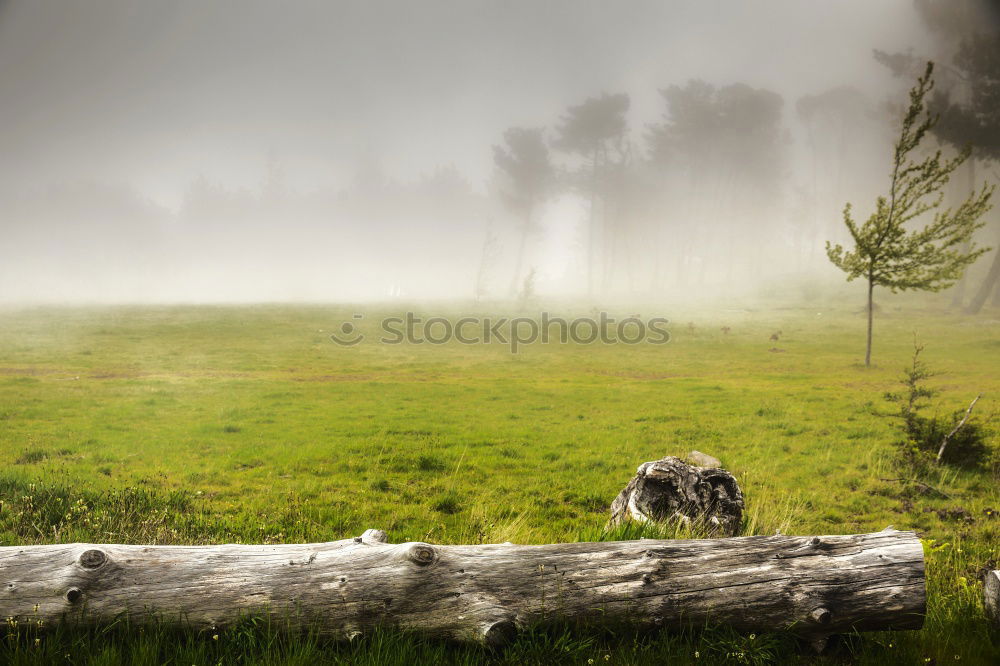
(815, 586)
(991, 595)
(670, 489)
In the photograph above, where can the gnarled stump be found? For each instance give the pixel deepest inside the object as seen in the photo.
(815, 586)
(670, 489)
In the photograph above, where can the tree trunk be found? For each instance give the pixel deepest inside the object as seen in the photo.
(520, 255)
(868, 347)
(958, 292)
(592, 224)
(814, 586)
(991, 596)
(986, 288)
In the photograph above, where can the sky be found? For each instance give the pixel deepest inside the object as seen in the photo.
(156, 93)
(200, 149)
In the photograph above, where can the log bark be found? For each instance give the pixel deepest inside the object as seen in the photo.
(670, 489)
(991, 596)
(815, 586)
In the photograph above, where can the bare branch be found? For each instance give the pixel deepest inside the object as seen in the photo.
(951, 434)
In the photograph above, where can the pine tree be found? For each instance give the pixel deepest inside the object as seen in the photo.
(888, 254)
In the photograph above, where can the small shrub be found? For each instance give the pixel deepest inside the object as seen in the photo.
(922, 435)
(966, 448)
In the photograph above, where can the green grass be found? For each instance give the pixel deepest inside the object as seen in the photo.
(246, 424)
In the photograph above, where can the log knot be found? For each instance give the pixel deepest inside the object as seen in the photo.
(92, 558)
(821, 615)
(813, 546)
(73, 595)
(500, 633)
(421, 554)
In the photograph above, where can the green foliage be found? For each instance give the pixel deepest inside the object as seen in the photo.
(885, 252)
(922, 435)
(977, 121)
(916, 395)
(967, 448)
(968, 35)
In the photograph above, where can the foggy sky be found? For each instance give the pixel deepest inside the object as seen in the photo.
(154, 93)
(117, 111)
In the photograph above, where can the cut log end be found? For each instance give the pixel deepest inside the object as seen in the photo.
(821, 615)
(498, 634)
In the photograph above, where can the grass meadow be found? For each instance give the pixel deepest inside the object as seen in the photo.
(247, 424)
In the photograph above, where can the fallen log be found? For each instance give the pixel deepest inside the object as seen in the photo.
(815, 586)
(991, 596)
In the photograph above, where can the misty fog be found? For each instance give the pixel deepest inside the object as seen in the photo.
(321, 151)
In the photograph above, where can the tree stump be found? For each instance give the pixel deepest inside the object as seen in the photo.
(671, 490)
